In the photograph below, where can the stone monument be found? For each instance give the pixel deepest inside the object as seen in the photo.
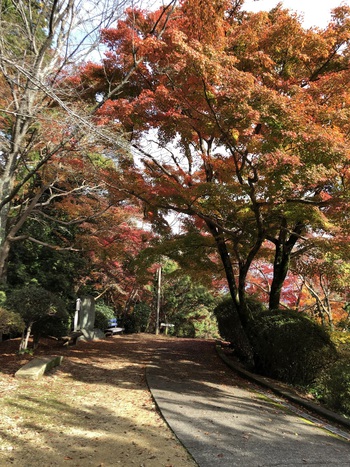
(84, 319)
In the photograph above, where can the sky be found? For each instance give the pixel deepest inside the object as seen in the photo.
(315, 12)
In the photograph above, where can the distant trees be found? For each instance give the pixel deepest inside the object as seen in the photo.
(188, 306)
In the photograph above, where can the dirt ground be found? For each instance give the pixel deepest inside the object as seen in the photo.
(93, 410)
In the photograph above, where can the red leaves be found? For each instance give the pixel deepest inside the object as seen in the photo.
(251, 117)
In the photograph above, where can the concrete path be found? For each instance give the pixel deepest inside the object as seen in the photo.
(223, 423)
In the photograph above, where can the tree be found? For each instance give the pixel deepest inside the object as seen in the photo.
(77, 243)
(325, 277)
(240, 122)
(37, 307)
(113, 244)
(39, 121)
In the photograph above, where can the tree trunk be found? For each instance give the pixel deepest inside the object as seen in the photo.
(241, 345)
(281, 263)
(4, 253)
(226, 261)
(25, 338)
(280, 270)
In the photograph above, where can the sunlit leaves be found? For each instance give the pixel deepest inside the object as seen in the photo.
(240, 120)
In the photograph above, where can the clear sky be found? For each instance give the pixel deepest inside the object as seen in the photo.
(316, 12)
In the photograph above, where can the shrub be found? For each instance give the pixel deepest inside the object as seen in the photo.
(226, 316)
(10, 322)
(205, 324)
(200, 323)
(183, 328)
(230, 328)
(56, 325)
(289, 346)
(342, 342)
(333, 387)
(103, 313)
(137, 320)
(129, 323)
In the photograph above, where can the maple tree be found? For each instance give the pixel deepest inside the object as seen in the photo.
(113, 244)
(325, 278)
(76, 242)
(239, 122)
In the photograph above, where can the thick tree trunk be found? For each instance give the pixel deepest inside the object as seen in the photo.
(241, 344)
(280, 270)
(281, 263)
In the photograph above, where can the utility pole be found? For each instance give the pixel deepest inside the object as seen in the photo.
(159, 286)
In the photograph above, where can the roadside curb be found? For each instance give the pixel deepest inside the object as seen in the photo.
(277, 389)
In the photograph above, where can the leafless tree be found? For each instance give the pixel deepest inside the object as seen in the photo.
(40, 43)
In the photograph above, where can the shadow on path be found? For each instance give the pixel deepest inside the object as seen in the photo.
(224, 424)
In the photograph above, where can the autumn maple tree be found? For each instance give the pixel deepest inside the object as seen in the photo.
(113, 244)
(239, 122)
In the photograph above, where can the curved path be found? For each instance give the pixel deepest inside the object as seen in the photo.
(224, 423)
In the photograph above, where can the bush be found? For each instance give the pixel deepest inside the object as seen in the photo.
(227, 317)
(183, 328)
(333, 387)
(10, 322)
(137, 320)
(103, 313)
(200, 323)
(289, 346)
(230, 327)
(205, 324)
(57, 325)
(129, 323)
(342, 342)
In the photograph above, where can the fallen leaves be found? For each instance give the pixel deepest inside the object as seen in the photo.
(95, 409)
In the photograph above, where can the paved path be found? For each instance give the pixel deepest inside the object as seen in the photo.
(224, 424)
